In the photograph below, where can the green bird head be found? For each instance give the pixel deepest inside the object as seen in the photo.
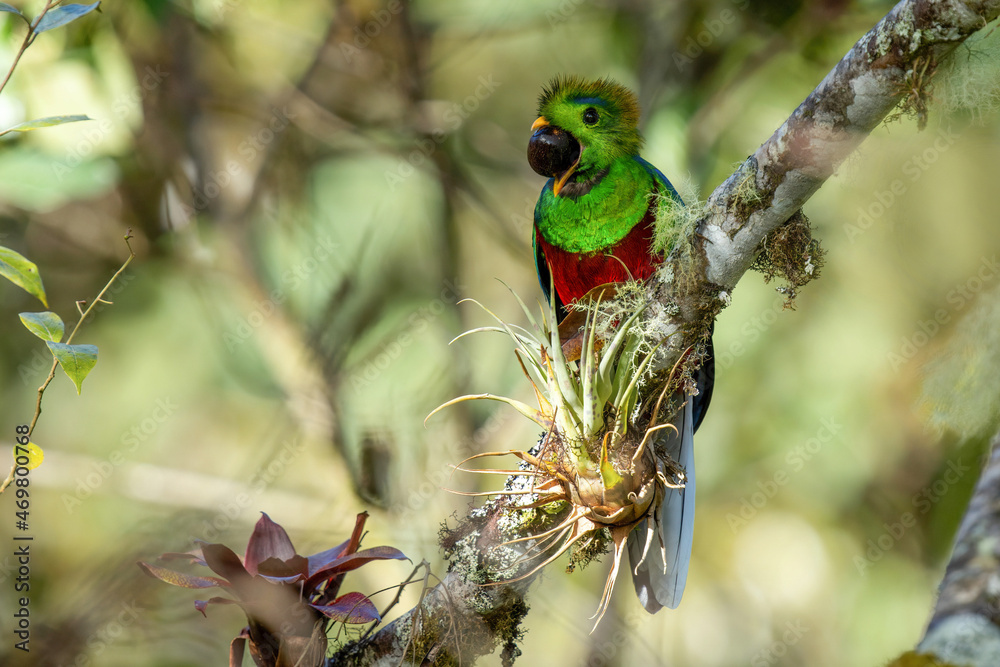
(582, 128)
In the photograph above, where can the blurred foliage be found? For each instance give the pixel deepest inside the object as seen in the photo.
(314, 186)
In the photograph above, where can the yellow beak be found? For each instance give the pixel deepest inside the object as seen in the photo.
(561, 180)
(539, 122)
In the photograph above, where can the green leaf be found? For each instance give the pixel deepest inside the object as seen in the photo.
(48, 121)
(76, 360)
(60, 16)
(4, 7)
(22, 272)
(42, 182)
(609, 476)
(47, 326)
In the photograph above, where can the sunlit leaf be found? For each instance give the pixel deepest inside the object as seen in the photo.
(224, 561)
(609, 475)
(22, 272)
(318, 561)
(269, 540)
(76, 360)
(34, 453)
(179, 578)
(350, 608)
(4, 7)
(60, 16)
(47, 326)
(48, 121)
(352, 562)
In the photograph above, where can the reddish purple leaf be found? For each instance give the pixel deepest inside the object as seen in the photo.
(350, 608)
(236, 650)
(323, 558)
(179, 578)
(195, 556)
(281, 581)
(202, 605)
(296, 566)
(352, 562)
(223, 561)
(269, 540)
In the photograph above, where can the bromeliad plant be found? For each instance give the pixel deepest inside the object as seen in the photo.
(290, 600)
(593, 456)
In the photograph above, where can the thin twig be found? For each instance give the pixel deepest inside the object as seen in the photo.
(29, 39)
(399, 594)
(55, 362)
(99, 299)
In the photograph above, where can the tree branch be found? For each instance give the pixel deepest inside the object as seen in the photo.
(837, 116)
(460, 619)
(965, 627)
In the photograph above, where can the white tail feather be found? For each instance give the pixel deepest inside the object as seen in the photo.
(660, 573)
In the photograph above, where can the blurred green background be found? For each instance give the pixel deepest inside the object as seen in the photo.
(313, 186)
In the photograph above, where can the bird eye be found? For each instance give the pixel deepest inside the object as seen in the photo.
(590, 116)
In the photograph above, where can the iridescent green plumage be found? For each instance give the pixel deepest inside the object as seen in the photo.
(616, 184)
(594, 224)
(616, 133)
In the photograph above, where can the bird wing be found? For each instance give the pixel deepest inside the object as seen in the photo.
(544, 274)
(705, 376)
(660, 179)
(659, 552)
(705, 379)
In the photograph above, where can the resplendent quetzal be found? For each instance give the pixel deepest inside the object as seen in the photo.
(594, 224)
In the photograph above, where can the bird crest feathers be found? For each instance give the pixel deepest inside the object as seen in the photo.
(622, 101)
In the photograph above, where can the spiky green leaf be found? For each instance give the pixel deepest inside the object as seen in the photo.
(609, 476)
(525, 409)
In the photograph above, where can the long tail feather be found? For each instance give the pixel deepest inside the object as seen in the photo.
(659, 570)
